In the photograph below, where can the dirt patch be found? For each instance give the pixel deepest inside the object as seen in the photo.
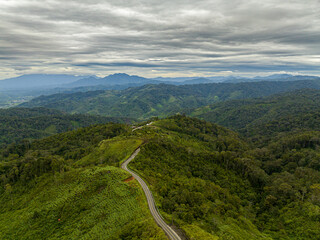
(180, 232)
(129, 179)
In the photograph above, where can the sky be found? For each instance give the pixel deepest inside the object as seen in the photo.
(160, 38)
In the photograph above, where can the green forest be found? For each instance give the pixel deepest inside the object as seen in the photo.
(236, 169)
(161, 100)
(17, 124)
(207, 180)
(263, 119)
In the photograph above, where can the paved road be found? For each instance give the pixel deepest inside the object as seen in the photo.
(166, 228)
(136, 128)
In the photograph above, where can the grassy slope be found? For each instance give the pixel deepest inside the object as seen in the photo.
(91, 203)
(91, 199)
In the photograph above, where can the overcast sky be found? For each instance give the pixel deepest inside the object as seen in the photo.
(159, 38)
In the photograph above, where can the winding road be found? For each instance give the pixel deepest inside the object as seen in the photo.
(152, 206)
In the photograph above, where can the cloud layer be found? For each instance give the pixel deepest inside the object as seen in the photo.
(151, 38)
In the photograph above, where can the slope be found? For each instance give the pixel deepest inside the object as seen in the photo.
(205, 179)
(34, 81)
(212, 184)
(17, 124)
(161, 100)
(47, 194)
(267, 117)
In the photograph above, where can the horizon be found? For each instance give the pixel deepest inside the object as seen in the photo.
(115, 73)
(168, 38)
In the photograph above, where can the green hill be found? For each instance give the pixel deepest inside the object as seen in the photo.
(206, 180)
(266, 117)
(17, 124)
(161, 100)
(44, 194)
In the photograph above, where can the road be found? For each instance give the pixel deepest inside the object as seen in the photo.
(152, 206)
(136, 128)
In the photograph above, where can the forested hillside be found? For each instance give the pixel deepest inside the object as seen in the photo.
(49, 190)
(17, 124)
(263, 118)
(206, 180)
(161, 100)
(206, 177)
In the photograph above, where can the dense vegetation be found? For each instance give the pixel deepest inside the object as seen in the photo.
(211, 182)
(263, 119)
(207, 179)
(49, 190)
(17, 124)
(161, 100)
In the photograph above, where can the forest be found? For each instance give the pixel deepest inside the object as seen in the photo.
(161, 100)
(261, 119)
(238, 169)
(17, 124)
(207, 180)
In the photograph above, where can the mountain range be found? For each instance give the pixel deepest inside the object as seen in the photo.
(162, 99)
(36, 81)
(62, 81)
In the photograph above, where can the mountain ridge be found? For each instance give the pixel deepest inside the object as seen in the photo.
(161, 100)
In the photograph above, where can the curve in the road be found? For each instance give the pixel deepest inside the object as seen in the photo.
(152, 206)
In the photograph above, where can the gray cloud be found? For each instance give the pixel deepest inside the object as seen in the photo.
(150, 38)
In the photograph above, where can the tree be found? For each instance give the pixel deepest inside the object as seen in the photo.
(9, 191)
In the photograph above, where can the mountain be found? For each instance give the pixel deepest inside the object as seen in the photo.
(269, 116)
(49, 81)
(274, 77)
(161, 100)
(198, 81)
(21, 89)
(111, 80)
(36, 81)
(185, 80)
(206, 181)
(18, 124)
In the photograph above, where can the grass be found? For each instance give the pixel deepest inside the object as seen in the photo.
(111, 152)
(86, 203)
(194, 233)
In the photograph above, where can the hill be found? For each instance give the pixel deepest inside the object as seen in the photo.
(269, 116)
(17, 124)
(111, 80)
(36, 81)
(161, 100)
(23, 88)
(274, 78)
(206, 180)
(45, 195)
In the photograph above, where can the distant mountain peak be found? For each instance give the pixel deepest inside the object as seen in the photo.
(120, 74)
